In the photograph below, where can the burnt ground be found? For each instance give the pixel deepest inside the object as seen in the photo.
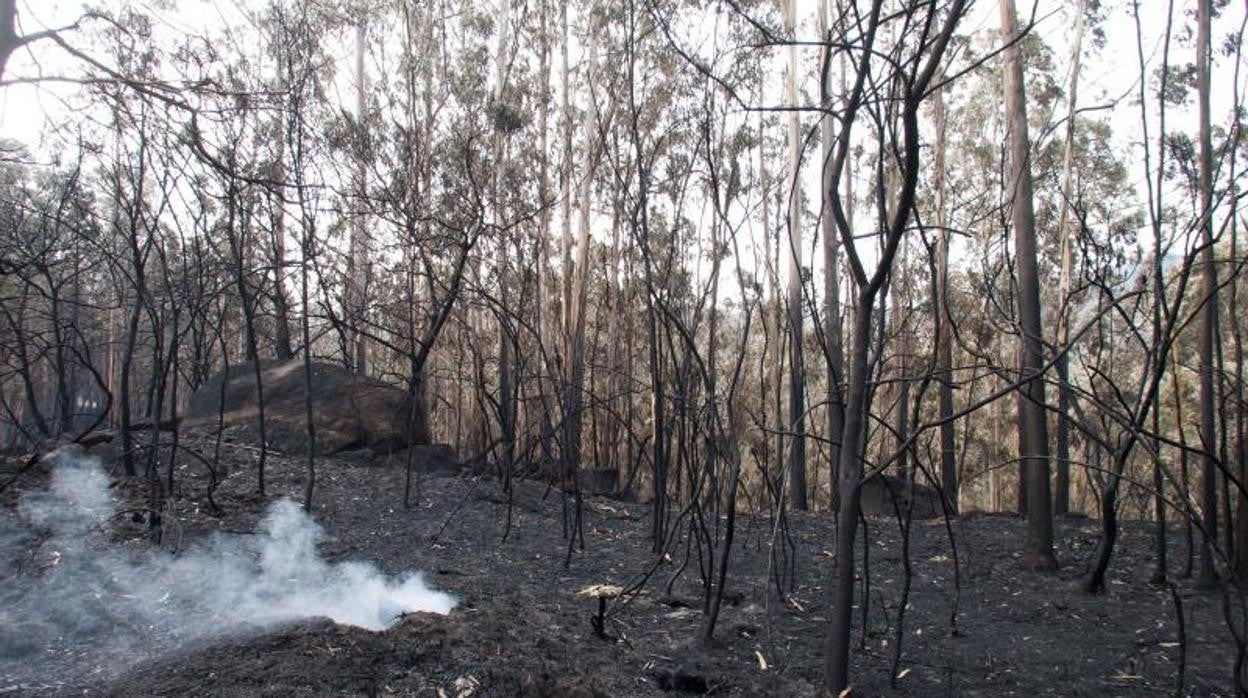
(521, 629)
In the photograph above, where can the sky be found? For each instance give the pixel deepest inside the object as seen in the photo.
(1109, 74)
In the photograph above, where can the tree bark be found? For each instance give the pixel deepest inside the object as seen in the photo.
(283, 349)
(1032, 414)
(797, 375)
(1208, 574)
(506, 353)
(944, 323)
(358, 259)
(850, 470)
(1240, 450)
(834, 356)
(573, 410)
(1061, 494)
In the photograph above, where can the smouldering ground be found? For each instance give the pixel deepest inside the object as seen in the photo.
(521, 629)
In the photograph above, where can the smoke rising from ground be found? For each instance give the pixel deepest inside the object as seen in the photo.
(77, 608)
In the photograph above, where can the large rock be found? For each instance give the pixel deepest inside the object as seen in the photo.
(349, 411)
(883, 495)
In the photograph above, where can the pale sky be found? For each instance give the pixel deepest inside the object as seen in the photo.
(26, 110)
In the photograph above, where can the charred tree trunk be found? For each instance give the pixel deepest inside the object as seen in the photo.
(238, 245)
(944, 322)
(834, 352)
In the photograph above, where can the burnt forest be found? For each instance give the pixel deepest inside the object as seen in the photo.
(597, 348)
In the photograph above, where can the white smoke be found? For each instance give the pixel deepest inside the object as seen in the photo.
(82, 609)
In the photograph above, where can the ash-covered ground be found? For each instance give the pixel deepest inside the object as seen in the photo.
(519, 626)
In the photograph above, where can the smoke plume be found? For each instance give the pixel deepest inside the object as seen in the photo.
(78, 609)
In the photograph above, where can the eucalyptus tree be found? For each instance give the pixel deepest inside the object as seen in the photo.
(547, 295)
(1061, 494)
(300, 35)
(274, 196)
(1209, 437)
(506, 334)
(412, 152)
(949, 481)
(725, 150)
(356, 287)
(793, 249)
(652, 132)
(1033, 432)
(833, 339)
(576, 273)
(904, 77)
(137, 227)
(1102, 198)
(48, 221)
(11, 41)
(1175, 278)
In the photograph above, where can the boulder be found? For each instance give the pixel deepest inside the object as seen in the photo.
(348, 411)
(879, 493)
(599, 481)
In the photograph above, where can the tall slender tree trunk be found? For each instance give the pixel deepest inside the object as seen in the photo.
(713, 447)
(358, 259)
(309, 485)
(1061, 494)
(283, 348)
(545, 295)
(773, 364)
(236, 234)
(1208, 575)
(123, 380)
(1185, 570)
(60, 367)
(797, 371)
(573, 413)
(837, 660)
(834, 356)
(110, 359)
(1240, 451)
(506, 354)
(565, 222)
(893, 229)
(424, 426)
(1032, 415)
(901, 331)
(1158, 359)
(616, 367)
(565, 173)
(999, 419)
(944, 323)
(641, 222)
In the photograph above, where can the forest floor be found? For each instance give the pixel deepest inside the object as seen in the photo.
(520, 628)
